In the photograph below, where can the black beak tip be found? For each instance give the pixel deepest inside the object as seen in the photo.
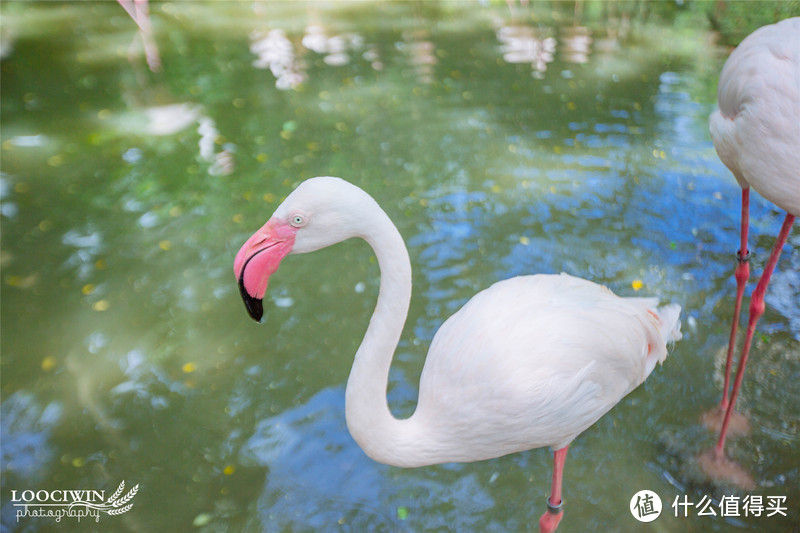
(255, 306)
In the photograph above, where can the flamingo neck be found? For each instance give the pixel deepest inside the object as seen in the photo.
(382, 436)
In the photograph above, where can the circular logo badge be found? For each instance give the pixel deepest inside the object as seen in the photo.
(645, 506)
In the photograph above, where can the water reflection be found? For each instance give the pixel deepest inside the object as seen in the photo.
(576, 44)
(125, 347)
(274, 51)
(786, 293)
(523, 44)
(526, 44)
(27, 428)
(335, 49)
(7, 208)
(222, 162)
(172, 119)
(421, 52)
(314, 465)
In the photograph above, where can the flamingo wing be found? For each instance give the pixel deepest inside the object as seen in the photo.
(535, 360)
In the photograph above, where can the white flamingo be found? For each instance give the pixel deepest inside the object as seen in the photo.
(531, 361)
(756, 132)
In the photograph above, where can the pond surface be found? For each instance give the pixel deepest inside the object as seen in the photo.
(500, 143)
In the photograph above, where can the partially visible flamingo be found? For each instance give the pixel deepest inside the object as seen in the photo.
(139, 11)
(756, 132)
(531, 361)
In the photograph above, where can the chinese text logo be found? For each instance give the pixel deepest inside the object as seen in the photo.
(645, 506)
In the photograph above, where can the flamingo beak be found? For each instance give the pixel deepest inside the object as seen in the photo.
(258, 259)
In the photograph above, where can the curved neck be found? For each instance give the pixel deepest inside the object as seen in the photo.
(382, 436)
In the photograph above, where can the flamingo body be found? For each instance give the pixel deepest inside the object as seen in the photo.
(756, 132)
(756, 128)
(533, 361)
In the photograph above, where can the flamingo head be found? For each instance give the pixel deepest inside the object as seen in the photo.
(259, 258)
(319, 213)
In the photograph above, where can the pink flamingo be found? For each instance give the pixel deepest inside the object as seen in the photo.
(756, 132)
(531, 361)
(139, 11)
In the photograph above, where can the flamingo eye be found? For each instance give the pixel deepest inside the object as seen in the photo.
(298, 221)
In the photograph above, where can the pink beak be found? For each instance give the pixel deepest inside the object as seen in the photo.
(258, 259)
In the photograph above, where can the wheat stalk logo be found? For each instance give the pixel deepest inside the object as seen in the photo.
(115, 505)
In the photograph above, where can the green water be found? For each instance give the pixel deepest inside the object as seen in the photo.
(500, 144)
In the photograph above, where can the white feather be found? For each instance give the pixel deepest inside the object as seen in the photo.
(531, 361)
(756, 128)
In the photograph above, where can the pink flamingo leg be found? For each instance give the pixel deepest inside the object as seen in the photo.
(550, 519)
(756, 310)
(140, 13)
(741, 274)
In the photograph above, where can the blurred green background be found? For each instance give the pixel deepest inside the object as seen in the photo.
(502, 139)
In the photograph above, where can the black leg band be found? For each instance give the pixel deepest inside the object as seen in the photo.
(744, 259)
(554, 509)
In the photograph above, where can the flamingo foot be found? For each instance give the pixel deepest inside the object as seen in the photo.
(549, 521)
(718, 467)
(738, 426)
